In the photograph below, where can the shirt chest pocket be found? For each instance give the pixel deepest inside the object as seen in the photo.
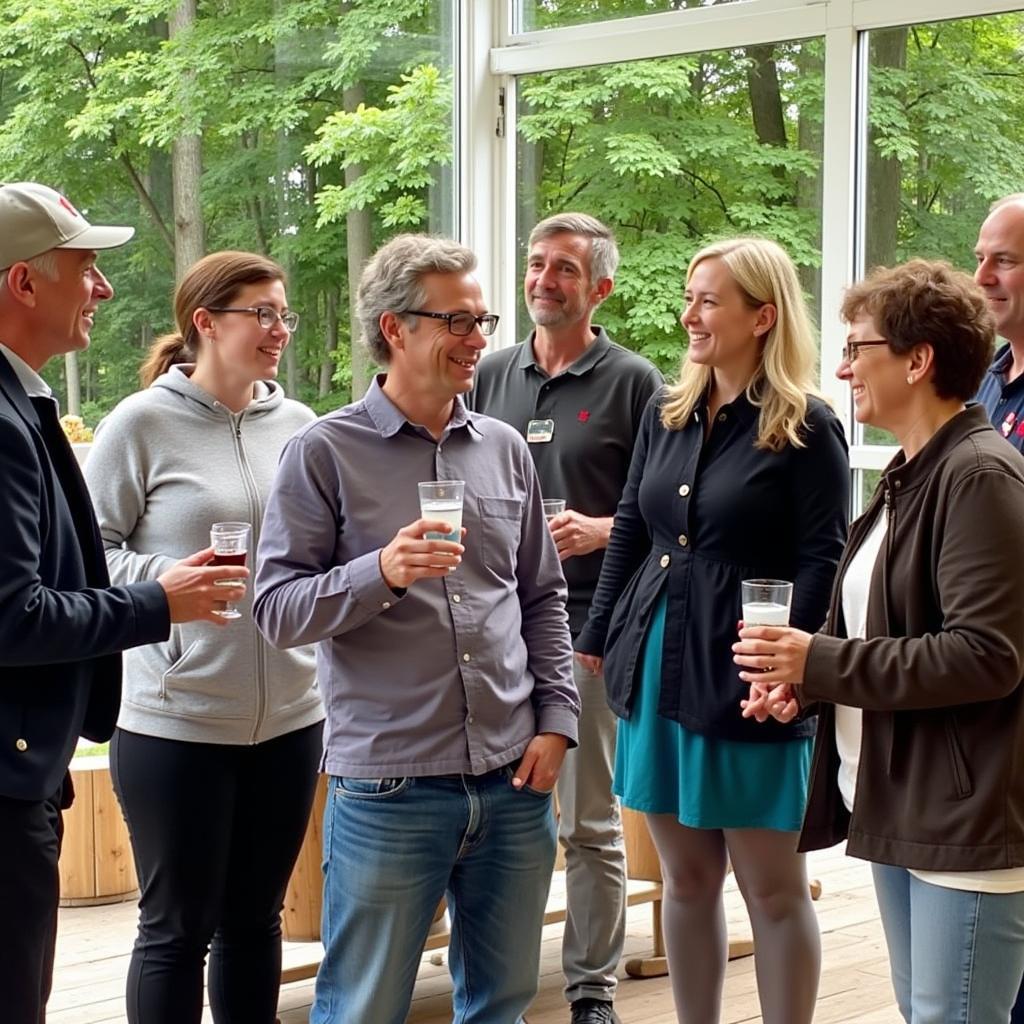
(501, 521)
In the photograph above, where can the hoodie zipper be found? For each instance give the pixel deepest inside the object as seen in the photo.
(252, 494)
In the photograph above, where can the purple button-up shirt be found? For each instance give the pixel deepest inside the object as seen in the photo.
(451, 675)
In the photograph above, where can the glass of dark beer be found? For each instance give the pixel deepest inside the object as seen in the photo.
(230, 547)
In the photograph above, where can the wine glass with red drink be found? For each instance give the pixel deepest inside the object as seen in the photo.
(230, 547)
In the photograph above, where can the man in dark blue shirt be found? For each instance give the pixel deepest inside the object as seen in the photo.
(1000, 273)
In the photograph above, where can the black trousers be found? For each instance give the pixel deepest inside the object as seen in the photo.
(30, 838)
(216, 830)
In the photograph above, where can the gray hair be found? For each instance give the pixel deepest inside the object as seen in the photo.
(604, 253)
(1013, 197)
(392, 282)
(45, 263)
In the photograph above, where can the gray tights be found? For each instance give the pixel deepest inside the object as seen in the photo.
(772, 879)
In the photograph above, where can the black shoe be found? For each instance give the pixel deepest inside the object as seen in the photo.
(593, 1011)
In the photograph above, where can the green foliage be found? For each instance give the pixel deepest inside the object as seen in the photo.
(93, 94)
(953, 117)
(399, 147)
(290, 95)
(666, 152)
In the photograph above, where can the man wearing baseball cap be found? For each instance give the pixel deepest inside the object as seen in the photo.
(62, 625)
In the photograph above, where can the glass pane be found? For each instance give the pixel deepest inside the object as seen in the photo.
(673, 153)
(946, 136)
(865, 483)
(324, 129)
(538, 14)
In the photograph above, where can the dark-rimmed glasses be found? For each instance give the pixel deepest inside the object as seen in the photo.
(852, 348)
(461, 324)
(267, 316)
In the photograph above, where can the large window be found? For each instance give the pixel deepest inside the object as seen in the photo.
(307, 130)
(945, 136)
(673, 153)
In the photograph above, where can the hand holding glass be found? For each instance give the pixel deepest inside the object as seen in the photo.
(230, 543)
(766, 602)
(442, 499)
(553, 507)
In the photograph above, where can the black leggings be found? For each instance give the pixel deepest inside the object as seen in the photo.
(216, 830)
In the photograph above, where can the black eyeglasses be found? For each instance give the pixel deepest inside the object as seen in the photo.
(852, 348)
(266, 315)
(461, 324)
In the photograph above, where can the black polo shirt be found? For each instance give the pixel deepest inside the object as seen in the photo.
(595, 406)
(1004, 402)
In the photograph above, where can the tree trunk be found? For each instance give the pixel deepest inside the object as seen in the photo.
(187, 172)
(330, 344)
(74, 388)
(809, 187)
(358, 240)
(888, 49)
(765, 96)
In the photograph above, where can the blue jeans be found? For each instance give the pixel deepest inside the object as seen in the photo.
(392, 849)
(956, 957)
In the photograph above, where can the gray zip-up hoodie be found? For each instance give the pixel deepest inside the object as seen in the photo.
(166, 464)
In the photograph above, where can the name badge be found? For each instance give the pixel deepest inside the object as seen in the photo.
(540, 431)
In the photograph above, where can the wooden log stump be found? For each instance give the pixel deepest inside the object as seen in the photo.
(96, 863)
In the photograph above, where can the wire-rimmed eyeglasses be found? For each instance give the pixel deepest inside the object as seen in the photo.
(266, 315)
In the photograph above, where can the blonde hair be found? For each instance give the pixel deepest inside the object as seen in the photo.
(784, 377)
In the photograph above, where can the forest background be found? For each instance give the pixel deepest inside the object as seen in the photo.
(312, 130)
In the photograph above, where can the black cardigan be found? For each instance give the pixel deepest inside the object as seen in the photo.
(700, 517)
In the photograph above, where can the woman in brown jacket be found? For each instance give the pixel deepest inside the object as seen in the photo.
(916, 675)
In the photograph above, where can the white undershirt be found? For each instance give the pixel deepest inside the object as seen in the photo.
(856, 586)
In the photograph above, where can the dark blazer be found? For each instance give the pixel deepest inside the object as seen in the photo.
(696, 518)
(61, 623)
(939, 782)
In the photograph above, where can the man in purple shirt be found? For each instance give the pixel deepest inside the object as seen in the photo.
(446, 667)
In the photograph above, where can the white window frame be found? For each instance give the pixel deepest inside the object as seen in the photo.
(493, 55)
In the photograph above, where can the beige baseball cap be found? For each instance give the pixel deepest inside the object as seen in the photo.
(35, 218)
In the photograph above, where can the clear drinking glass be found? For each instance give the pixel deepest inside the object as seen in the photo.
(442, 499)
(766, 602)
(230, 543)
(553, 507)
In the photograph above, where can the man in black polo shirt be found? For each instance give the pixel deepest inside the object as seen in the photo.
(1000, 273)
(577, 398)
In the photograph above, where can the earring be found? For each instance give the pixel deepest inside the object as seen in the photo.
(910, 380)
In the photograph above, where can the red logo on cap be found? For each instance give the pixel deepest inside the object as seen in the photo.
(67, 206)
(583, 415)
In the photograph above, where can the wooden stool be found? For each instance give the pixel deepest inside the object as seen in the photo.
(96, 864)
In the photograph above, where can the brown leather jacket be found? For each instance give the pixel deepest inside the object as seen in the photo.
(940, 784)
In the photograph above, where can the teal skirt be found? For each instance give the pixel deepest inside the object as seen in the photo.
(661, 767)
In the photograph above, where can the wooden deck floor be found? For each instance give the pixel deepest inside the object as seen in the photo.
(92, 958)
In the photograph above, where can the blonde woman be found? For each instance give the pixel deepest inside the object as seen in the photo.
(739, 471)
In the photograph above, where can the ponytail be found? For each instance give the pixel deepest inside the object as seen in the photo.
(165, 352)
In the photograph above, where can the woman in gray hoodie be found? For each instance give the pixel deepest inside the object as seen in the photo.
(215, 756)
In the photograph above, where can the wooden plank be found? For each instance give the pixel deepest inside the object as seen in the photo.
(115, 865)
(78, 850)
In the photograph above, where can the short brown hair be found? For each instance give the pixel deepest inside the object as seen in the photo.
(214, 280)
(930, 302)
